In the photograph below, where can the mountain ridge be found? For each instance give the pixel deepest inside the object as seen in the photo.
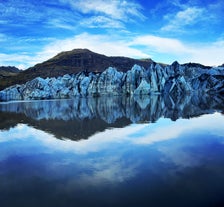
(74, 61)
(8, 71)
(78, 60)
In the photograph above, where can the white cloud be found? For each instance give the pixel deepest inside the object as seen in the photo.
(60, 24)
(188, 16)
(207, 54)
(161, 44)
(19, 60)
(104, 44)
(210, 53)
(117, 9)
(101, 22)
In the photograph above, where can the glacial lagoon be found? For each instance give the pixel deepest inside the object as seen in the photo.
(113, 152)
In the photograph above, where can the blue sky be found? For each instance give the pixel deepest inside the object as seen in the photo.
(32, 31)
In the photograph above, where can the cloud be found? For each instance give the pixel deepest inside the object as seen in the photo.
(20, 11)
(34, 16)
(163, 49)
(209, 53)
(21, 61)
(104, 44)
(193, 17)
(118, 9)
(186, 17)
(58, 23)
(101, 13)
(101, 22)
(141, 47)
(110, 14)
(161, 44)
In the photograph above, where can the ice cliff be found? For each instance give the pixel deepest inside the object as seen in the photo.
(172, 79)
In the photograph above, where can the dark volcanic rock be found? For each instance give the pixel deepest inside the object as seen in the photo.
(85, 60)
(7, 73)
(72, 62)
(196, 65)
(8, 70)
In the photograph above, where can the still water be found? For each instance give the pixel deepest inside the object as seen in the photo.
(119, 152)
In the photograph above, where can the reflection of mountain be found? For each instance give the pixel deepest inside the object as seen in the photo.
(80, 118)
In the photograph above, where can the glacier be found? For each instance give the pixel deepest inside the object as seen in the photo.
(174, 79)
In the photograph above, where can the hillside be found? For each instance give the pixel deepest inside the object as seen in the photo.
(71, 62)
(6, 71)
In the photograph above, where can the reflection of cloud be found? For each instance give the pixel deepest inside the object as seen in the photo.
(110, 169)
(94, 171)
(103, 158)
(179, 156)
(140, 134)
(89, 170)
(95, 143)
(21, 131)
(171, 130)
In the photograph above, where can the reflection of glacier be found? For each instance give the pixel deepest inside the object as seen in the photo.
(110, 109)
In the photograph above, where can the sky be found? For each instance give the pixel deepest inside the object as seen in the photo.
(32, 31)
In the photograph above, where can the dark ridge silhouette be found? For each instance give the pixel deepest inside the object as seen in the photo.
(8, 71)
(74, 61)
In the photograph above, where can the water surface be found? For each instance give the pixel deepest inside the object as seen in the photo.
(145, 151)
